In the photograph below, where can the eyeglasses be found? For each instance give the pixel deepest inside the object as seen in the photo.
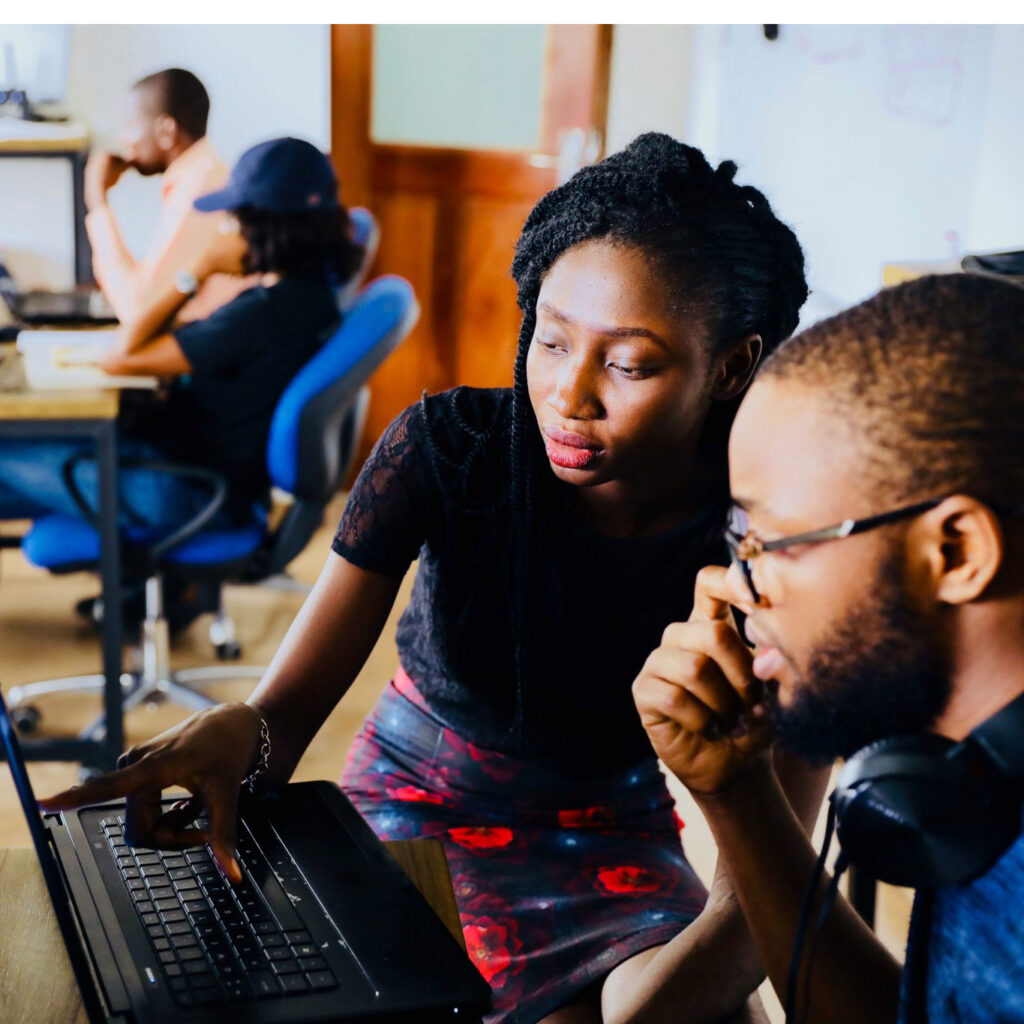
(745, 546)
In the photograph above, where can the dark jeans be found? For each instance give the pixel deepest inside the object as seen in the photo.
(31, 484)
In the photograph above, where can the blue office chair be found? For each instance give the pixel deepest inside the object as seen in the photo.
(366, 231)
(314, 435)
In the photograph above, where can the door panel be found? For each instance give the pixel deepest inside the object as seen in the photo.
(450, 216)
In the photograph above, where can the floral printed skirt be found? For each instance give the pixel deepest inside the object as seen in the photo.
(557, 880)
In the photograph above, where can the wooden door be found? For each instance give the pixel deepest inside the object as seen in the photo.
(450, 216)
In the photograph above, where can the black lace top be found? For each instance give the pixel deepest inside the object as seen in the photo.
(437, 487)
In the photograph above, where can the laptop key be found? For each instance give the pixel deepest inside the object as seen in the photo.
(305, 949)
(294, 983)
(179, 928)
(172, 970)
(145, 907)
(184, 998)
(270, 941)
(236, 990)
(282, 953)
(190, 953)
(174, 863)
(170, 916)
(196, 967)
(313, 963)
(205, 995)
(167, 957)
(186, 941)
(169, 904)
(321, 979)
(298, 935)
(150, 918)
(264, 984)
(161, 894)
(264, 927)
(284, 967)
(179, 983)
(156, 931)
(161, 944)
(196, 906)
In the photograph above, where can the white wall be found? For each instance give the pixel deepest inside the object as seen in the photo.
(876, 143)
(263, 80)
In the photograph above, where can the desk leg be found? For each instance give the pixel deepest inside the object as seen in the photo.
(110, 575)
(83, 251)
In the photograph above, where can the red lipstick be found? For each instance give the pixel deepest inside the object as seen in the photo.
(568, 450)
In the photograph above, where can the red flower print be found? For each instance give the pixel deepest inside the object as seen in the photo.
(677, 821)
(481, 838)
(628, 878)
(414, 795)
(492, 944)
(587, 817)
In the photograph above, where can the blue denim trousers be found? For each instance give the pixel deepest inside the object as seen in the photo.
(31, 483)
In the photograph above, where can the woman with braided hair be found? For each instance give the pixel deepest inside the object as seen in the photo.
(559, 526)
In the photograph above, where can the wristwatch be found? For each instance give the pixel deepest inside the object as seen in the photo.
(186, 282)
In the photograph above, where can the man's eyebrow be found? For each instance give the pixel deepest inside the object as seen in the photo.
(608, 332)
(747, 504)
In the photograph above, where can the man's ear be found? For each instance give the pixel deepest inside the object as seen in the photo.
(166, 131)
(735, 366)
(964, 547)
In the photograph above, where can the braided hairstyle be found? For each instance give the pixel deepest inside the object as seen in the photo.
(734, 261)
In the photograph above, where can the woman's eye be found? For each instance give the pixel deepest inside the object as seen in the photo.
(632, 372)
(551, 346)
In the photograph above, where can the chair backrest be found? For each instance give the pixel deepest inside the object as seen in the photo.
(366, 231)
(308, 430)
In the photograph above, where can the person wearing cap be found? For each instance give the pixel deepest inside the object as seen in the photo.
(281, 221)
(163, 133)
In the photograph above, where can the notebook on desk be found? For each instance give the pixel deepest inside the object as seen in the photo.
(66, 360)
(325, 926)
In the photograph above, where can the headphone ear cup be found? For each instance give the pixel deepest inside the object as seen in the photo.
(912, 812)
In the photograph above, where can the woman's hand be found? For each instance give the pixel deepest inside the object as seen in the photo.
(225, 253)
(702, 706)
(208, 754)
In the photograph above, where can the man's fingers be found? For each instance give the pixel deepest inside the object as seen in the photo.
(117, 784)
(711, 594)
(718, 640)
(222, 803)
(658, 700)
(700, 675)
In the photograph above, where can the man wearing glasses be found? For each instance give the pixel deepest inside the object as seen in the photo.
(878, 558)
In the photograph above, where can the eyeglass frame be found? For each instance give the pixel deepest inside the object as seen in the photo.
(847, 528)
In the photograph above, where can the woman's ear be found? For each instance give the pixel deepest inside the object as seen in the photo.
(964, 547)
(735, 366)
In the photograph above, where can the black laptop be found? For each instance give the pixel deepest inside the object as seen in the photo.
(324, 927)
(82, 308)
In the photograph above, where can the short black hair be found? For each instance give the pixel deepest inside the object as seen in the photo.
(314, 244)
(931, 374)
(725, 252)
(179, 94)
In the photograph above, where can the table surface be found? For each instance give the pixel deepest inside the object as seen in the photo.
(37, 985)
(19, 402)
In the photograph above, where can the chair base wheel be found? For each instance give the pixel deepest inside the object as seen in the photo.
(228, 651)
(26, 718)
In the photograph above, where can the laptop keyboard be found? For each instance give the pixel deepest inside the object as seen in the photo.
(216, 942)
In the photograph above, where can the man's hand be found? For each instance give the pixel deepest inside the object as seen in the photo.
(207, 754)
(702, 707)
(103, 171)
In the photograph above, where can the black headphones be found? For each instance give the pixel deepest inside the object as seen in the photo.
(923, 811)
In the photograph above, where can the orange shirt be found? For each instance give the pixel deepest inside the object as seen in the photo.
(181, 234)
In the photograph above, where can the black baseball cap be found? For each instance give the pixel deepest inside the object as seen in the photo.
(284, 175)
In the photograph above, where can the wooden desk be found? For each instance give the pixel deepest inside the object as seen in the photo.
(92, 415)
(37, 985)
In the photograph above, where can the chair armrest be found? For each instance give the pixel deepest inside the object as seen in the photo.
(216, 481)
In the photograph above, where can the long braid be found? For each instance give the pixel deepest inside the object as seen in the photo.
(730, 257)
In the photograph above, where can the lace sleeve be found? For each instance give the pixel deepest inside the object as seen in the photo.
(387, 515)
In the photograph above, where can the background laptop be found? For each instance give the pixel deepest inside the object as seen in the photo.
(45, 307)
(325, 927)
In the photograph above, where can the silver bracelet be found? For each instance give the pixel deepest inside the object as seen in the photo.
(264, 761)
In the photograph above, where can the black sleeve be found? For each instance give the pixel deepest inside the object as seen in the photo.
(225, 337)
(394, 502)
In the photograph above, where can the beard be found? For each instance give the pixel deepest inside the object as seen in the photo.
(881, 672)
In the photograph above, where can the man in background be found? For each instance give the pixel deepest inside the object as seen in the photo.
(164, 132)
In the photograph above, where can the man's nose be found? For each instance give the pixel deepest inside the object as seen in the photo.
(739, 590)
(574, 397)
